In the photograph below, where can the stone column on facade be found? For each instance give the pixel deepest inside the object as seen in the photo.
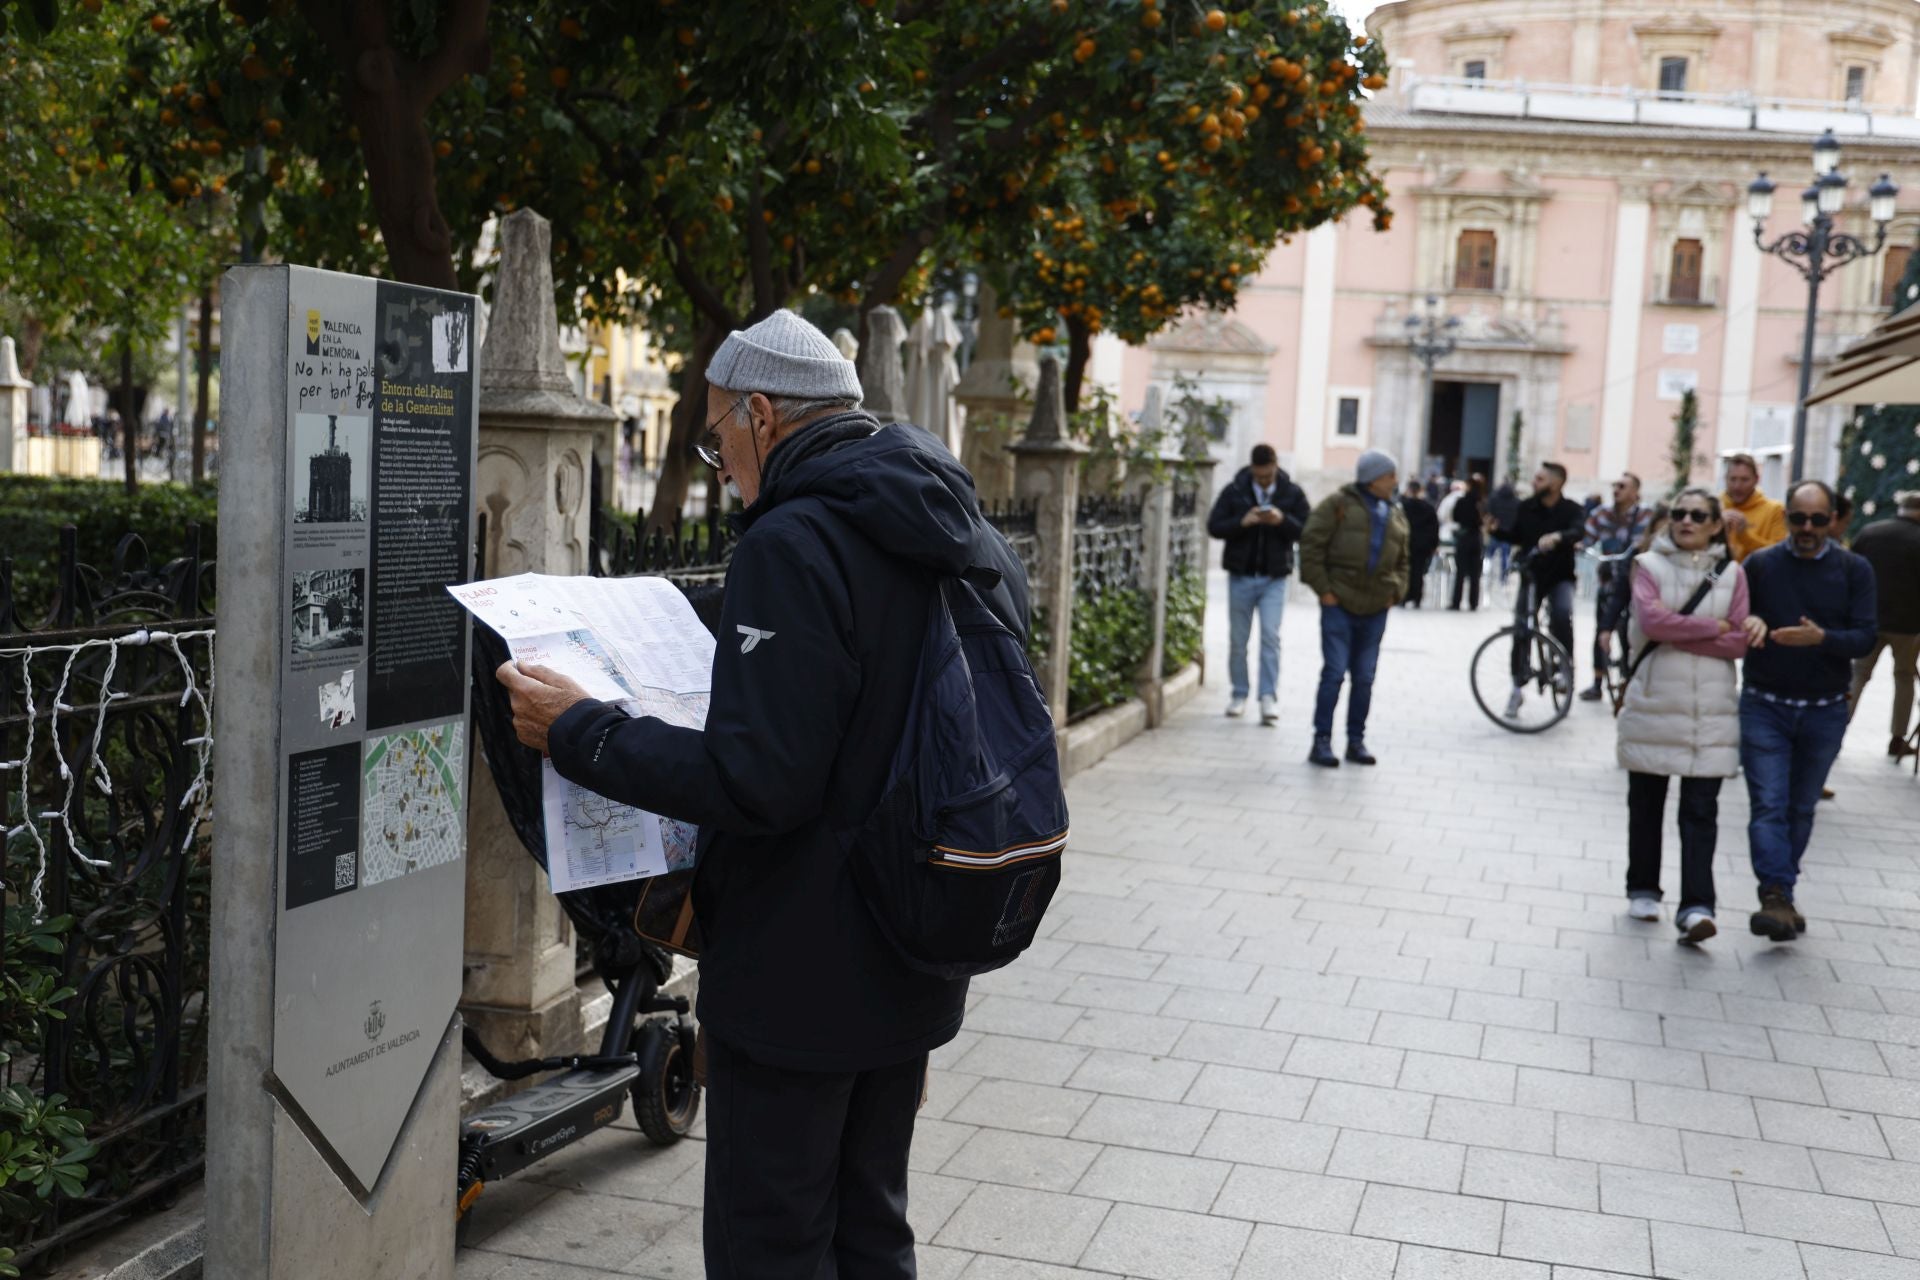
(993, 393)
(1047, 473)
(13, 410)
(537, 440)
(883, 379)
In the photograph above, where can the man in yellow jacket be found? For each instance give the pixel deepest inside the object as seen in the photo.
(1753, 519)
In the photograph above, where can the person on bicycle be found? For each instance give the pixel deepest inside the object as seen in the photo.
(1612, 530)
(1680, 716)
(1550, 525)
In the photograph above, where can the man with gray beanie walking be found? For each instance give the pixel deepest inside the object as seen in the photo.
(817, 1033)
(1354, 554)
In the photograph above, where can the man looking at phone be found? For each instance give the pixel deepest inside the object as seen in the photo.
(1817, 600)
(1259, 515)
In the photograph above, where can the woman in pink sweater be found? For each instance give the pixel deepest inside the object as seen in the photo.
(1681, 714)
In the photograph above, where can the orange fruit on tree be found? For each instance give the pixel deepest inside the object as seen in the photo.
(1216, 20)
(1151, 19)
(271, 127)
(812, 165)
(443, 148)
(160, 22)
(559, 76)
(1043, 336)
(570, 28)
(1084, 50)
(1375, 81)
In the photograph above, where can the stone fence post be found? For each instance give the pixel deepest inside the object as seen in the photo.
(990, 392)
(1046, 467)
(13, 410)
(1156, 531)
(537, 441)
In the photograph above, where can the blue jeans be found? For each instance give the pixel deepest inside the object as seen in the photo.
(1245, 593)
(1786, 752)
(1349, 646)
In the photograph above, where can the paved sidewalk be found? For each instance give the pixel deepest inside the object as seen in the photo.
(1385, 1024)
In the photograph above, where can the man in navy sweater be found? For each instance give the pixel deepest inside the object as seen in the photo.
(1817, 599)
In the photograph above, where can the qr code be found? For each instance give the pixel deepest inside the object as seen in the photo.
(343, 869)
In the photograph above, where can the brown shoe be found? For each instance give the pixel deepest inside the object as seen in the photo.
(1775, 918)
(1900, 749)
(1799, 921)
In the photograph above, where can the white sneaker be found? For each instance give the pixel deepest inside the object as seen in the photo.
(1515, 702)
(1269, 711)
(1236, 708)
(1642, 907)
(1696, 924)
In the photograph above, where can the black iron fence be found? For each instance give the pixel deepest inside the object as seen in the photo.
(105, 744)
(1112, 629)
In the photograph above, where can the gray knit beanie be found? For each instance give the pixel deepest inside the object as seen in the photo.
(1373, 464)
(783, 355)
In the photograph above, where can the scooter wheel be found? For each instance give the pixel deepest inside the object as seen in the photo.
(665, 1097)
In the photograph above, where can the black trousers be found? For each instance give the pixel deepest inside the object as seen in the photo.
(1417, 578)
(1699, 835)
(1469, 555)
(807, 1170)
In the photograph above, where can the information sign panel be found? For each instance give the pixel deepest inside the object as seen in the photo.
(380, 432)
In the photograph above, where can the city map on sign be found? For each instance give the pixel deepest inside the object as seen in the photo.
(412, 786)
(635, 642)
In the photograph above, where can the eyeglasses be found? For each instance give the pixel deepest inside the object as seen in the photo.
(1693, 515)
(1818, 519)
(707, 448)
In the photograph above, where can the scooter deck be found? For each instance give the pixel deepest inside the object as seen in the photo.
(557, 1112)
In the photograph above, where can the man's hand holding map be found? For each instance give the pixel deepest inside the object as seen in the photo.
(635, 642)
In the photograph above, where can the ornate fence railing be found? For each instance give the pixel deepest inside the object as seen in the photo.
(1112, 631)
(1187, 549)
(1017, 522)
(105, 743)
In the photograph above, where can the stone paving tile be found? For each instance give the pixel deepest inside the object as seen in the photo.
(1143, 1123)
(1028, 1108)
(1289, 1251)
(1021, 1160)
(1543, 1234)
(1817, 1126)
(1164, 1244)
(1700, 1253)
(1818, 1219)
(1154, 1178)
(1824, 1263)
(1405, 1162)
(1039, 1226)
(1290, 1198)
(1418, 1262)
(1669, 1197)
(1266, 1093)
(1532, 1179)
(1361, 1106)
(1263, 1140)
(1432, 1218)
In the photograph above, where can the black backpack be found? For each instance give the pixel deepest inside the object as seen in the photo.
(962, 855)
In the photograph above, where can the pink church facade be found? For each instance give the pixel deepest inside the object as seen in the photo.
(1568, 181)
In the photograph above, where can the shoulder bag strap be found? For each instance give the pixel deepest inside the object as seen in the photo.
(1700, 593)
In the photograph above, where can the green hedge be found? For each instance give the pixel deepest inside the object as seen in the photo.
(1112, 635)
(1186, 612)
(33, 508)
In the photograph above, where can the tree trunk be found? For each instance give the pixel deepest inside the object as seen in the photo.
(129, 417)
(1079, 351)
(32, 334)
(387, 97)
(202, 388)
(689, 418)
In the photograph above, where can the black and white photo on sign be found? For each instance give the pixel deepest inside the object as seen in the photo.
(452, 338)
(330, 468)
(329, 609)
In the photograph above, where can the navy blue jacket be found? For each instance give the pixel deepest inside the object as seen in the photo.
(1258, 550)
(1835, 591)
(834, 573)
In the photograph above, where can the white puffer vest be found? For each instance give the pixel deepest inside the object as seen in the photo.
(1681, 716)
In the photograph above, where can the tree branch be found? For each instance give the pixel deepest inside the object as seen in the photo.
(464, 48)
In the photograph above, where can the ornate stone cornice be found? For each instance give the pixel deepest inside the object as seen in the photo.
(1674, 24)
(1211, 333)
(1866, 35)
(1475, 33)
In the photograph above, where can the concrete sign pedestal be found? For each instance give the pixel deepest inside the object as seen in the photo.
(342, 758)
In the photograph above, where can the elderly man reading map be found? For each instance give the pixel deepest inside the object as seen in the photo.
(818, 1034)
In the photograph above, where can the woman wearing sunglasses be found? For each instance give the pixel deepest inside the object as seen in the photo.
(1680, 717)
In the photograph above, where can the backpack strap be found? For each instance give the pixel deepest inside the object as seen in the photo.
(1700, 593)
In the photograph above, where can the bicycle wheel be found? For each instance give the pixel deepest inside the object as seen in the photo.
(1545, 686)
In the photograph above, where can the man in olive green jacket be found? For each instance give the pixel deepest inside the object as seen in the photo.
(1353, 554)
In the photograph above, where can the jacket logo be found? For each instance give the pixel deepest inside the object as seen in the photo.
(750, 637)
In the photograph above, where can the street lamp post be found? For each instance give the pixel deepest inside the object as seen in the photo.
(1430, 339)
(1818, 251)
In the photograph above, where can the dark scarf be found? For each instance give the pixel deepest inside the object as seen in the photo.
(810, 441)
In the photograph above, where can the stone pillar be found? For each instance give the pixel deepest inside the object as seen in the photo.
(13, 410)
(883, 385)
(993, 392)
(1047, 473)
(1156, 529)
(537, 440)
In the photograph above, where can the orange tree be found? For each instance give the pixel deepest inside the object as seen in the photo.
(706, 163)
(1141, 217)
(91, 261)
